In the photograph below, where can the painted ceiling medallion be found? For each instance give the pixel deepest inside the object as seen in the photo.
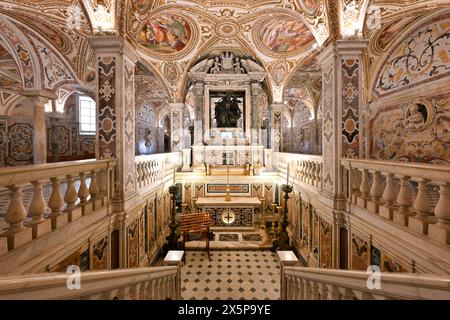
(166, 33)
(227, 29)
(310, 6)
(283, 35)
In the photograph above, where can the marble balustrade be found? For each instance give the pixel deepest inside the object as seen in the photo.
(152, 169)
(325, 284)
(413, 195)
(303, 169)
(20, 224)
(157, 283)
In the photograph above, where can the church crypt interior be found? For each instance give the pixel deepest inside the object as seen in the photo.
(224, 149)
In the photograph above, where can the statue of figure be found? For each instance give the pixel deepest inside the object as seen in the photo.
(227, 112)
(237, 66)
(217, 66)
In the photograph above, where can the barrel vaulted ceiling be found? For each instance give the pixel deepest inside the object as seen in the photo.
(284, 36)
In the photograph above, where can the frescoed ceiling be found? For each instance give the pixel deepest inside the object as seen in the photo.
(284, 36)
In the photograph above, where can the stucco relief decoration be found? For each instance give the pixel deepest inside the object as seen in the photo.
(102, 14)
(55, 72)
(423, 56)
(227, 29)
(283, 35)
(146, 114)
(418, 131)
(316, 15)
(166, 33)
(107, 107)
(23, 54)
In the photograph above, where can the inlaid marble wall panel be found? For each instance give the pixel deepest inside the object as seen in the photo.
(133, 244)
(100, 250)
(328, 128)
(315, 235)
(199, 190)
(360, 253)
(326, 244)
(417, 131)
(391, 264)
(257, 191)
(129, 130)
(306, 235)
(107, 107)
(268, 194)
(188, 196)
(350, 125)
(142, 257)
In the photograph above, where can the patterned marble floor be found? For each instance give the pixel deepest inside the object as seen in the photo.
(235, 275)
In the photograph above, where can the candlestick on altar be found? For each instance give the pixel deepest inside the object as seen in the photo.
(287, 182)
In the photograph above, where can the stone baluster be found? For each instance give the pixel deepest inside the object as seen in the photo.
(347, 294)
(318, 175)
(301, 291)
(401, 216)
(40, 226)
(56, 203)
(441, 231)
(313, 173)
(333, 292)
(355, 183)
(16, 214)
(94, 191)
(323, 291)
(71, 197)
(364, 189)
(307, 286)
(376, 192)
(102, 182)
(83, 193)
(315, 292)
(389, 196)
(421, 205)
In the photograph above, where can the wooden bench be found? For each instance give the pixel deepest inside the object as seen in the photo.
(195, 222)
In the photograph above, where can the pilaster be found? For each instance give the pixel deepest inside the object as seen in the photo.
(115, 61)
(176, 125)
(342, 85)
(199, 91)
(276, 115)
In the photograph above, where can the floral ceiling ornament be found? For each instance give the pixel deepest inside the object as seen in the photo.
(73, 20)
(102, 14)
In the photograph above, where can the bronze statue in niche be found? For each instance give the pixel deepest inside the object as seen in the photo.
(227, 112)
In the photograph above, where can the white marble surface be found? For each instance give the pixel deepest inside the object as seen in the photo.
(174, 256)
(235, 201)
(287, 257)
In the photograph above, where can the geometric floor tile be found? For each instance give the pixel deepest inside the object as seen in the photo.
(235, 275)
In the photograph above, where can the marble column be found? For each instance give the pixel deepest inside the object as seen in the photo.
(199, 91)
(276, 110)
(342, 86)
(257, 94)
(176, 125)
(115, 61)
(38, 100)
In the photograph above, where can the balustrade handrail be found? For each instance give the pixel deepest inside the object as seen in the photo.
(392, 286)
(25, 174)
(54, 286)
(297, 156)
(160, 156)
(416, 170)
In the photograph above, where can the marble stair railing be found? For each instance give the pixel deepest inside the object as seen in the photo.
(303, 169)
(413, 195)
(23, 224)
(152, 169)
(325, 284)
(156, 283)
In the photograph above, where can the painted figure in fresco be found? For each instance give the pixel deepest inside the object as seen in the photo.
(227, 112)
(166, 33)
(285, 35)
